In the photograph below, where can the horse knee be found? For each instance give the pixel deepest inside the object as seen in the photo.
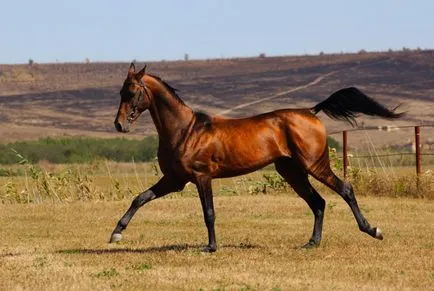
(347, 193)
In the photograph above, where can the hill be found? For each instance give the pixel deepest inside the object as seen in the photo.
(67, 99)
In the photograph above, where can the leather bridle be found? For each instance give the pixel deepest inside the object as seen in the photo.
(138, 99)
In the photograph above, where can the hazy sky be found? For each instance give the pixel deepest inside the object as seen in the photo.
(65, 31)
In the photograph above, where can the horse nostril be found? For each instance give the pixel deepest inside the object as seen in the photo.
(118, 126)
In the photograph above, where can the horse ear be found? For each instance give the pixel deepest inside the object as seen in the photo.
(132, 70)
(140, 74)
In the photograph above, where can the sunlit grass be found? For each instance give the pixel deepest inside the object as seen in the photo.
(57, 219)
(64, 246)
(103, 180)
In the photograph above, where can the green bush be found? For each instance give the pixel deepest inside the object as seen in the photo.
(80, 150)
(332, 143)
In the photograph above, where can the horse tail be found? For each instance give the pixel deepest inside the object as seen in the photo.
(346, 103)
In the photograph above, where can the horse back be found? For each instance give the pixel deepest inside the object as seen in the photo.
(228, 147)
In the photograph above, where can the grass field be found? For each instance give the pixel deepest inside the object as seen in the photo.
(56, 221)
(103, 180)
(64, 246)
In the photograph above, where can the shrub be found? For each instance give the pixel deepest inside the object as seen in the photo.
(80, 150)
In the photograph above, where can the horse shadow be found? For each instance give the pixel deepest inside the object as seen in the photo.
(166, 248)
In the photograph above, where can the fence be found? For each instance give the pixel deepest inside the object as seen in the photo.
(417, 145)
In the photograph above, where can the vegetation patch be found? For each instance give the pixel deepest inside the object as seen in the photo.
(108, 273)
(140, 267)
(80, 150)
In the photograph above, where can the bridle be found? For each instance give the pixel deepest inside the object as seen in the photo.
(138, 99)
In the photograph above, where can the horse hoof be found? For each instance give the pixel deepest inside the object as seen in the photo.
(378, 234)
(115, 238)
(209, 249)
(310, 245)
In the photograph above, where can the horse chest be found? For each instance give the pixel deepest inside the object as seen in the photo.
(174, 163)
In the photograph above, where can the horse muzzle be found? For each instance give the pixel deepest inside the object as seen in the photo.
(121, 128)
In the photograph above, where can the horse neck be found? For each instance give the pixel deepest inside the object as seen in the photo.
(171, 117)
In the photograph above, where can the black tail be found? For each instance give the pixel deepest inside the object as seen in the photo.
(346, 103)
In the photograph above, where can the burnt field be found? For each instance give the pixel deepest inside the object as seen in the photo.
(81, 99)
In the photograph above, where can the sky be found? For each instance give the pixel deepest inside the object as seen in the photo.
(48, 31)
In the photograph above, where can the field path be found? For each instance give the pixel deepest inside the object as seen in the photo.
(310, 84)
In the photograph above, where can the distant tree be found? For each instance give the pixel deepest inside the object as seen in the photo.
(186, 57)
(87, 60)
(390, 50)
(405, 49)
(31, 62)
(321, 53)
(262, 55)
(362, 51)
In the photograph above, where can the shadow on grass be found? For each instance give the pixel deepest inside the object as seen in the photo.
(176, 248)
(5, 255)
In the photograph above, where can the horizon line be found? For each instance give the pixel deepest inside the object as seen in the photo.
(404, 49)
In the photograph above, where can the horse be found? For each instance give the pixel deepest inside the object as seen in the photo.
(195, 147)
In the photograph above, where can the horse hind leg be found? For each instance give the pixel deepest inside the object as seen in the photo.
(345, 190)
(295, 175)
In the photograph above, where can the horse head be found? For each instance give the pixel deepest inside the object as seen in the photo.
(135, 99)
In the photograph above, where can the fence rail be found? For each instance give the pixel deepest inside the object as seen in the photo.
(417, 152)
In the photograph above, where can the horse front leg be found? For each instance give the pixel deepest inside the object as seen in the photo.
(205, 193)
(163, 187)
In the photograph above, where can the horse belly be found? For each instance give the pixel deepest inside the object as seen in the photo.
(242, 155)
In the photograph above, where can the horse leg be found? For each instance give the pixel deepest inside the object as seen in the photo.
(163, 187)
(204, 187)
(298, 179)
(345, 190)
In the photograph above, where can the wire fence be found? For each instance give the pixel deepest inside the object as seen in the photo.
(414, 148)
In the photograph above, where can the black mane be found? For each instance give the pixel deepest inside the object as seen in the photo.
(169, 88)
(203, 119)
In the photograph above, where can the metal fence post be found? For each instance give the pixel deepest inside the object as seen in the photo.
(417, 144)
(344, 141)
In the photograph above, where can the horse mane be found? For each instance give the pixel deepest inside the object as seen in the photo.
(202, 118)
(169, 88)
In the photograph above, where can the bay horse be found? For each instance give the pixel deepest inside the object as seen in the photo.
(195, 147)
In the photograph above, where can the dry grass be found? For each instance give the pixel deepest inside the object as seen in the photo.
(50, 244)
(109, 181)
(63, 246)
